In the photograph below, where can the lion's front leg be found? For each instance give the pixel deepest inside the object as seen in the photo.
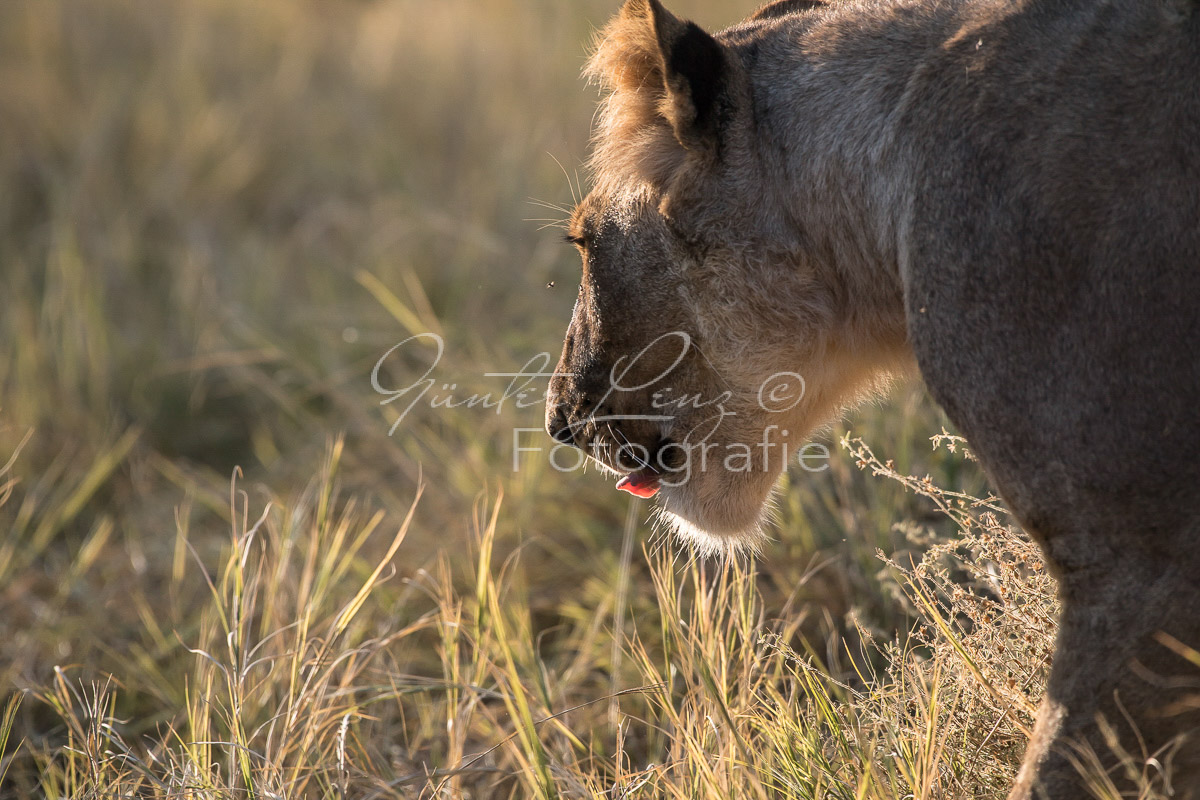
(1122, 709)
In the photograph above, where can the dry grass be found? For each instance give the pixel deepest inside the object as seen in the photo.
(216, 216)
(310, 669)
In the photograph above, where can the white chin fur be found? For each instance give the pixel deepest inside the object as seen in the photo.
(719, 539)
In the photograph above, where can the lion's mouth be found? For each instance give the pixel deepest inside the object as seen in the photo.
(649, 469)
(643, 483)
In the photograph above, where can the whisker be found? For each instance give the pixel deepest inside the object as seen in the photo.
(546, 204)
(576, 196)
(561, 223)
(627, 446)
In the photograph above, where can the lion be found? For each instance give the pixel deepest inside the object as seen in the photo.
(1002, 195)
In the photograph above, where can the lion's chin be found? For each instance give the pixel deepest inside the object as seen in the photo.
(719, 515)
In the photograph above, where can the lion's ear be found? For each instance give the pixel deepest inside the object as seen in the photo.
(696, 73)
(691, 67)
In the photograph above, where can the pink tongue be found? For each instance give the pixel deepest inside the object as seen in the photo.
(639, 484)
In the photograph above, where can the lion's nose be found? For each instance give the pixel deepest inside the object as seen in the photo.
(558, 426)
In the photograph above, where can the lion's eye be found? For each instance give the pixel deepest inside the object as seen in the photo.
(578, 241)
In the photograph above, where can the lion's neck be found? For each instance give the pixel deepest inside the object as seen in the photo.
(832, 150)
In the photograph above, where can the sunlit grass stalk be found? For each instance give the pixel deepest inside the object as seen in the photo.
(6, 725)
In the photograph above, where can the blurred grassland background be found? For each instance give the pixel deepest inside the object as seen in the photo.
(215, 217)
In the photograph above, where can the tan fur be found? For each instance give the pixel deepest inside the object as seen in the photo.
(634, 145)
(1005, 192)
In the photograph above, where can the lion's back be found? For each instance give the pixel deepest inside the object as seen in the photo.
(1053, 284)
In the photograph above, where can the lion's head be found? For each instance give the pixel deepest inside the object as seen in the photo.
(707, 340)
